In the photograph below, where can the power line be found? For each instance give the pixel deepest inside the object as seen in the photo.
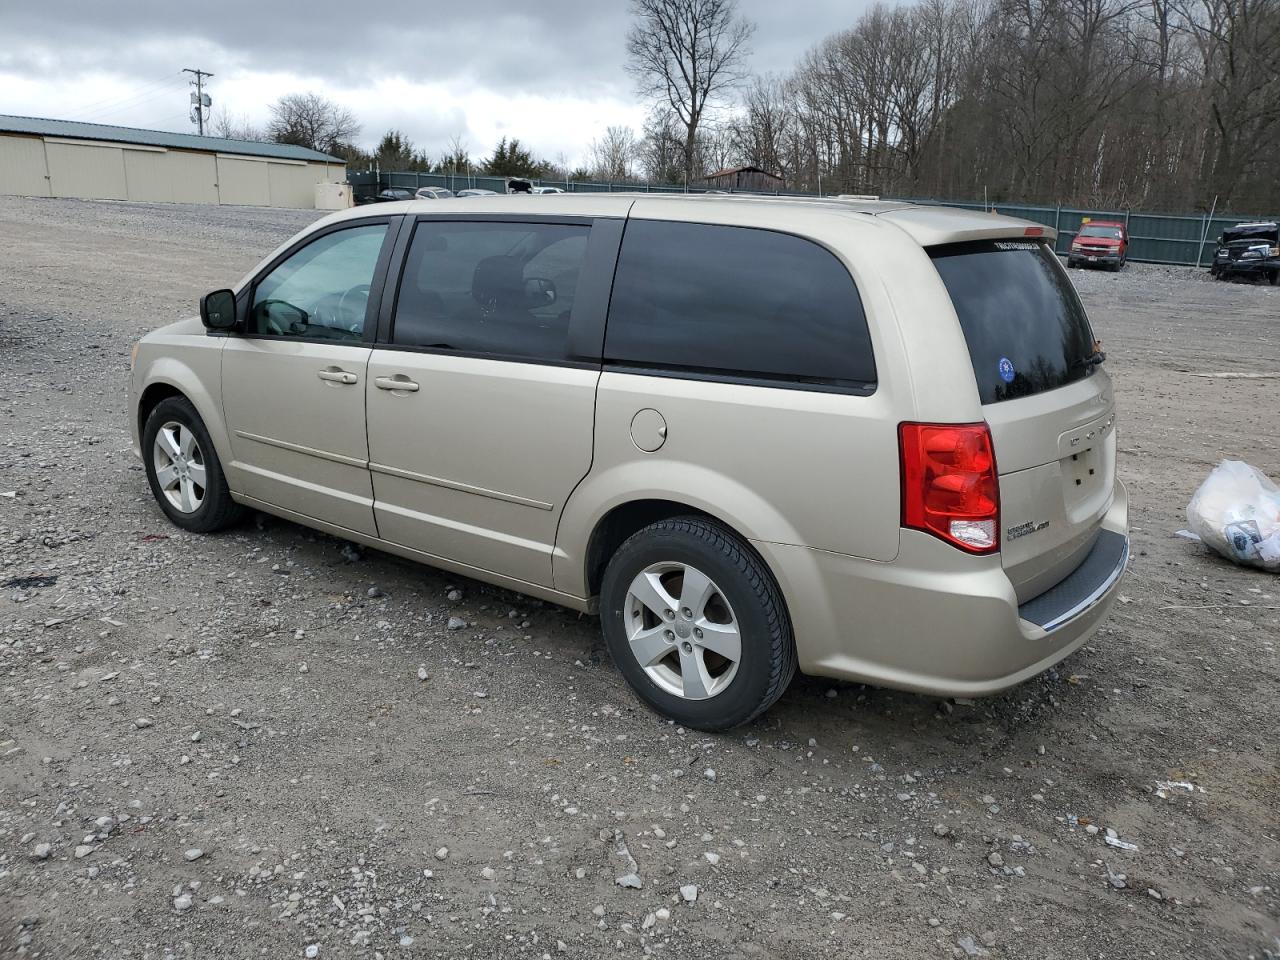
(200, 100)
(106, 102)
(128, 105)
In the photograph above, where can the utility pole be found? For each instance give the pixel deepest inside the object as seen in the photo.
(200, 100)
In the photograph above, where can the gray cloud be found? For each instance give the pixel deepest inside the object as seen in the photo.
(556, 50)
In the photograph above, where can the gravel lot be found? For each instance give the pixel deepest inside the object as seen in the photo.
(265, 742)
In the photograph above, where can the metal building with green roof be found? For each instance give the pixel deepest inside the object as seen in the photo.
(65, 158)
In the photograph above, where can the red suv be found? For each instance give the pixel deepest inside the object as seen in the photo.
(1103, 243)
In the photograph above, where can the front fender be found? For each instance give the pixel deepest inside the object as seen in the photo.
(198, 377)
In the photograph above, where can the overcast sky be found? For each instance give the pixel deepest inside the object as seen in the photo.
(550, 73)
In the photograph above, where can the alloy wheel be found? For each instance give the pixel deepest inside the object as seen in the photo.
(179, 466)
(682, 630)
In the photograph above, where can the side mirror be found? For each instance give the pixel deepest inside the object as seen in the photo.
(539, 292)
(218, 310)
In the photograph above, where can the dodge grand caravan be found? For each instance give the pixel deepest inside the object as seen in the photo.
(867, 440)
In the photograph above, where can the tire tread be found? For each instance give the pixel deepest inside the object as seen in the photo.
(782, 648)
(222, 510)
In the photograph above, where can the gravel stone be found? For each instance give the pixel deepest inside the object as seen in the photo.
(317, 789)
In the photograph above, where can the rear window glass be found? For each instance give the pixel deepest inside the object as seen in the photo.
(739, 302)
(1026, 329)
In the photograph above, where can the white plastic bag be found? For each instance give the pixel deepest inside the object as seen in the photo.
(1236, 512)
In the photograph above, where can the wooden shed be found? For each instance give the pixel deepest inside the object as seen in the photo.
(743, 178)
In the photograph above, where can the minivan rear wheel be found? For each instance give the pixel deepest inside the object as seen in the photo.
(696, 624)
(183, 469)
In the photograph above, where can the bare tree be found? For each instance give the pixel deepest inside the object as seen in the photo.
(223, 125)
(457, 158)
(716, 149)
(1110, 103)
(1239, 45)
(614, 154)
(310, 120)
(661, 151)
(687, 54)
(764, 129)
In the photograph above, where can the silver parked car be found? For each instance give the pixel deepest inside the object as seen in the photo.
(868, 440)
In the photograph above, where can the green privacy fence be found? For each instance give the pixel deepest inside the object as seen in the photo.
(1153, 237)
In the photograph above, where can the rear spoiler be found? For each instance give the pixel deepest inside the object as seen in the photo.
(931, 226)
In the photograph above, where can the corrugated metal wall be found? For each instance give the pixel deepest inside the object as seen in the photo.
(193, 176)
(147, 175)
(94, 170)
(243, 182)
(90, 171)
(22, 166)
(1154, 237)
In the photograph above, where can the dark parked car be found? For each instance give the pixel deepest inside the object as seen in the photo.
(1248, 250)
(390, 195)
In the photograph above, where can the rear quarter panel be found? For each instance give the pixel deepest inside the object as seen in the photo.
(789, 466)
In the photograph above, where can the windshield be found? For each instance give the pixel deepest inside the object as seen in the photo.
(1092, 230)
(1025, 327)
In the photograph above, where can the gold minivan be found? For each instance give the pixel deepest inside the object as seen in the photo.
(869, 440)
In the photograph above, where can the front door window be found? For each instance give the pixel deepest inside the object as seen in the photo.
(322, 291)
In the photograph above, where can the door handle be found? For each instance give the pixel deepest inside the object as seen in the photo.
(398, 382)
(337, 376)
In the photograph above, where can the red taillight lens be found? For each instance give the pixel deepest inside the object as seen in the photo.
(949, 484)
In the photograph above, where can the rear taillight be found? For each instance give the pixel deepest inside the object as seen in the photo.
(949, 484)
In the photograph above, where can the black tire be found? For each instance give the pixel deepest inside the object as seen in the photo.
(1275, 278)
(217, 510)
(768, 653)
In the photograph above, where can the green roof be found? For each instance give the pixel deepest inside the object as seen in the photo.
(76, 130)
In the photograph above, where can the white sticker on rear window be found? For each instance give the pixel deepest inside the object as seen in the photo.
(1016, 245)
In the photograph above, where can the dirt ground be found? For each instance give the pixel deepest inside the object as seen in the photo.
(224, 747)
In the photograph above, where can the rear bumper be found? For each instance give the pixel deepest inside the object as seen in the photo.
(940, 622)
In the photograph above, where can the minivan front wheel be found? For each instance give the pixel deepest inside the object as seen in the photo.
(183, 469)
(696, 624)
